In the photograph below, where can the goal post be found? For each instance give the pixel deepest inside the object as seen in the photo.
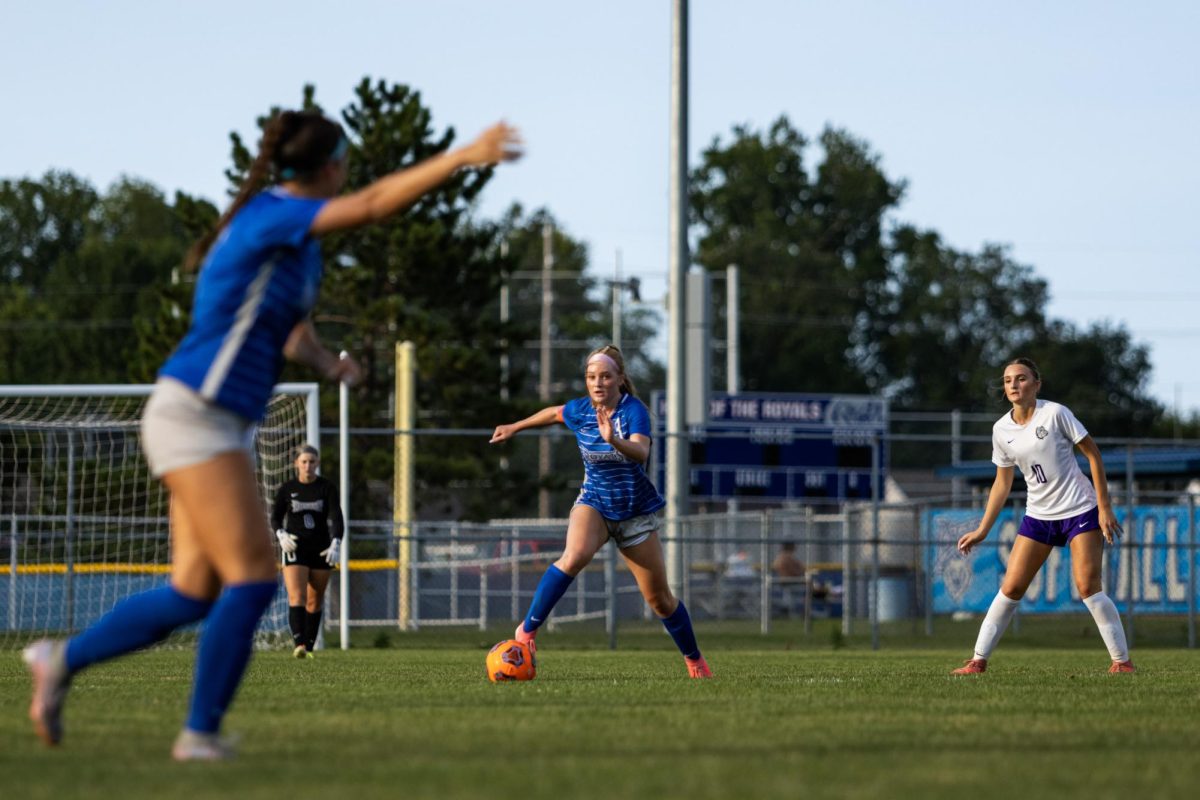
(83, 524)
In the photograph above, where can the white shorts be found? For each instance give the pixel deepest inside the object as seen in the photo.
(181, 429)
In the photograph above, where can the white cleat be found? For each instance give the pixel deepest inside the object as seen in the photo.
(192, 746)
(47, 662)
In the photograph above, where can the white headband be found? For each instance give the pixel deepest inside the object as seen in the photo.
(605, 359)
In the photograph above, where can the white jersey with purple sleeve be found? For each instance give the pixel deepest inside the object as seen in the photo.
(612, 484)
(1044, 450)
(259, 280)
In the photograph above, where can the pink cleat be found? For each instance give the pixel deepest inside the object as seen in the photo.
(526, 639)
(47, 662)
(1121, 666)
(972, 666)
(698, 667)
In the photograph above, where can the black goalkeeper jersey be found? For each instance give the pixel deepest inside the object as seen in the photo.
(308, 510)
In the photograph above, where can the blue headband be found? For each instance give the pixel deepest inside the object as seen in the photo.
(339, 152)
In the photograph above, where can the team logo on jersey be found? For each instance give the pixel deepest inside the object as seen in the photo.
(1041, 432)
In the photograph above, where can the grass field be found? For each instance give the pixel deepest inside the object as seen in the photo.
(788, 716)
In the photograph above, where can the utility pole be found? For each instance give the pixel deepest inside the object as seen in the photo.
(732, 366)
(617, 286)
(544, 370)
(678, 477)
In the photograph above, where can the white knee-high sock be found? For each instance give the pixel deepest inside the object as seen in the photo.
(999, 614)
(1108, 620)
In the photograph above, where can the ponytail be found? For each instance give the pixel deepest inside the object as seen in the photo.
(256, 178)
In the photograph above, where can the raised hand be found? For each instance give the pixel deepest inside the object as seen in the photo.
(604, 423)
(503, 433)
(501, 142)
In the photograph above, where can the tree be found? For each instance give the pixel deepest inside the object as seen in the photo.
(810, 250)
(948, 320)
(77, 270)
(835, 302)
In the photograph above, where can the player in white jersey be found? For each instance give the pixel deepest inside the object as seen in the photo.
(1062, 509)
(261, 269)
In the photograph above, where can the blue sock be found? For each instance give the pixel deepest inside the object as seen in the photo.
(550, 590)
(225, 651)
(136, 621)
(679, 625)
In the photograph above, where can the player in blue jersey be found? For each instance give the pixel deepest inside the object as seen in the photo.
(1061, 510)
(260, 270)
(617, 500)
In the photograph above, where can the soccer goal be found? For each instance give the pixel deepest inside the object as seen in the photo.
(82, 522)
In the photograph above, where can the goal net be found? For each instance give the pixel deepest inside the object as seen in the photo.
(82, 522)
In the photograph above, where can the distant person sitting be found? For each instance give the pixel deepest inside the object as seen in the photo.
(786, 565)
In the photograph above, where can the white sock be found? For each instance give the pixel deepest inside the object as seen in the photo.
(1108, 620)
(999, 614)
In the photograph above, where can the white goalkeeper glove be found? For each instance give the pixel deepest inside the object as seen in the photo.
(331, 553)
(287, 541)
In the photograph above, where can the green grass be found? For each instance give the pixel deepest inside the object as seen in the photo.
(788, 716)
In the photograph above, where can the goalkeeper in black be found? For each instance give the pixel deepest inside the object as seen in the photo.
(308, 523)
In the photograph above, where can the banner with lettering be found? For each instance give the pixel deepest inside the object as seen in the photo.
(1153, 563)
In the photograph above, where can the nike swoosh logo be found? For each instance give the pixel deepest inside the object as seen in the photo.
(534, 619)
(1010, 441)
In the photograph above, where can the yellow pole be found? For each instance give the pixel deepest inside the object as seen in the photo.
(402, 511)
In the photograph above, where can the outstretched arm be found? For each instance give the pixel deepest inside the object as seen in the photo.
(1108, 520)
(304, 347)
(393, 193)
(996, 499)
(547, 416)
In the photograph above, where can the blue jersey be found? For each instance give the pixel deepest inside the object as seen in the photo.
(260, 279)
(612, 484)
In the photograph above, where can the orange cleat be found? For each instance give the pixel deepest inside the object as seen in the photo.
(972, 666)
(526, 638)
(698, 667)
(1121, 666)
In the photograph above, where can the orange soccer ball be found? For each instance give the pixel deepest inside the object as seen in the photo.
(511, 660)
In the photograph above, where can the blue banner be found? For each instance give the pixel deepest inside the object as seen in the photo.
(1153, 563)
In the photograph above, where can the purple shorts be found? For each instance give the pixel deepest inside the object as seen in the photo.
(1059, 532)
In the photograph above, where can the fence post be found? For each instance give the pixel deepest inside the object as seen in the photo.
(873, 595)
(344, 501)
(12, 577)
(916, 565)
(764, 585)
(927, 539)
(847, 575)
(70, 535)
(454, 568)
(1191, 554)
(610, 579)
(514, 552)
(808, 578)
(1132, 545)
(412, 619)
(483, 597)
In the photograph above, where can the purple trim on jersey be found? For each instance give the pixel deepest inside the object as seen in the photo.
(1060, 532)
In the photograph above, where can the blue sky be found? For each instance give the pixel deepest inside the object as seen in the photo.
(1064, 129)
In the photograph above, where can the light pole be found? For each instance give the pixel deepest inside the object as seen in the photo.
(619, 287)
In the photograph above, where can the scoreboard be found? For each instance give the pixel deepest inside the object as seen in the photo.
(780, 446)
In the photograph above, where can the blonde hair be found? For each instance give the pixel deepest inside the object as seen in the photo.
(614, 352)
